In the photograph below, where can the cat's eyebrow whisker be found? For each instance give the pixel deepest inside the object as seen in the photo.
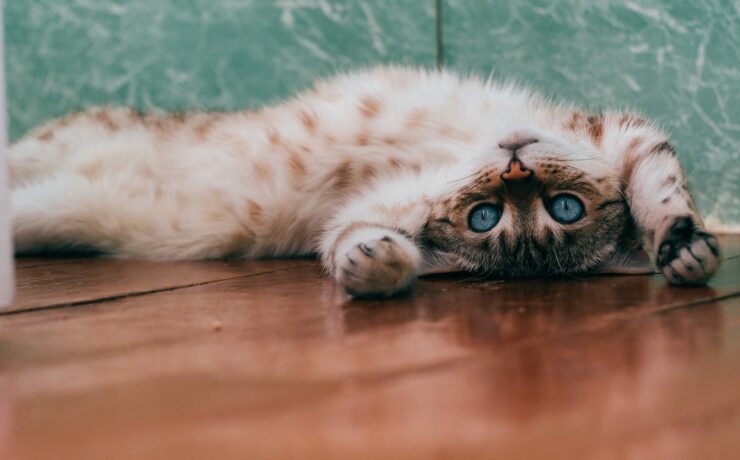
(555, 254)
(579, 169)
(580, 159)
(624, 197)
(622, 188)
(487, 273)
(480, 275)
(561, 158)
(483, 275)
(556, 158)
(462, 178)
(563, 271)
(564, 158)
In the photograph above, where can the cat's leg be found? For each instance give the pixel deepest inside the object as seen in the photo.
(375, 261)
(658, 195)
(370, 246)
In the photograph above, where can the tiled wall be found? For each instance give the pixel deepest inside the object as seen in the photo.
(678, 61)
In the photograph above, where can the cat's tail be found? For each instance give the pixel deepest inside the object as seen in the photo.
(68, 212)
(59, 212)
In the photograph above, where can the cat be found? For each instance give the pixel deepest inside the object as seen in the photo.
(386, 173)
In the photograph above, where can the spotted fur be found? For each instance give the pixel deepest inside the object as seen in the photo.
(377, 172)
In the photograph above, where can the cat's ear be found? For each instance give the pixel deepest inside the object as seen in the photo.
(629, 259)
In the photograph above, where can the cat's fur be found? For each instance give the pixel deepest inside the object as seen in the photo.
(376, 171)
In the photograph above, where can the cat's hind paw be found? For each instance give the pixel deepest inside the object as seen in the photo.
(687, 255)
(376, 262)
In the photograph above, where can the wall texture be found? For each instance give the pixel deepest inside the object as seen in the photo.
(6, 245)
(679, 62)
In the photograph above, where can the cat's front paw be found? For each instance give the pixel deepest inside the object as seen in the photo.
(687, 254)
(375, 262)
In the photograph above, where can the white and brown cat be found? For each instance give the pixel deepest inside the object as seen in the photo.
(386, 174)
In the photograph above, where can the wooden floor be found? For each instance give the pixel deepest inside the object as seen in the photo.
(108, 359)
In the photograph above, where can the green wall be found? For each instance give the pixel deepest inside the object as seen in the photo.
(677, 61)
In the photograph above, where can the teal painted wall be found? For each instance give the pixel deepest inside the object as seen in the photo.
(678, 61)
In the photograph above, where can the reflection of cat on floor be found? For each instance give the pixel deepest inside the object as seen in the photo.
(387, 174)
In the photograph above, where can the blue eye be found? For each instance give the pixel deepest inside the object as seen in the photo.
(483, 217)
(566, 209)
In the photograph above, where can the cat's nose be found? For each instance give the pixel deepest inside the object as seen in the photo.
(517, 143)
(516, 171)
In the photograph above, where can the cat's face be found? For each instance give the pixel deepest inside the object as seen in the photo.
(532, 204)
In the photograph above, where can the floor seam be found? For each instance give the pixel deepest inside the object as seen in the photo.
(135, 294)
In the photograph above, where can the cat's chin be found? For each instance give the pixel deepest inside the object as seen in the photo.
(440, 269)
(625, 261)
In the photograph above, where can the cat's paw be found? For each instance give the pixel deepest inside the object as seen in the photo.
(687, 254)
(375, 262)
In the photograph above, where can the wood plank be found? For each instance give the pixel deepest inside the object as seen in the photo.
(46, 283)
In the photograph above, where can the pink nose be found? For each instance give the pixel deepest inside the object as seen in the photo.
(516, 171)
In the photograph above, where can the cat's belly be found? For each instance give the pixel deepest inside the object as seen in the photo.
(148, 193)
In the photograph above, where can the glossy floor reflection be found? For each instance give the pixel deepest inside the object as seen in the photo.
(119, 360)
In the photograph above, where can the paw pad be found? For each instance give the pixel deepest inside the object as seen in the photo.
(376, 264)
(688, 254)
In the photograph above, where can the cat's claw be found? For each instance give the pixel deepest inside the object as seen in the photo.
(376, 263)
(687, 255)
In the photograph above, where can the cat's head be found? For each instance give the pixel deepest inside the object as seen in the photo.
(534, 204)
